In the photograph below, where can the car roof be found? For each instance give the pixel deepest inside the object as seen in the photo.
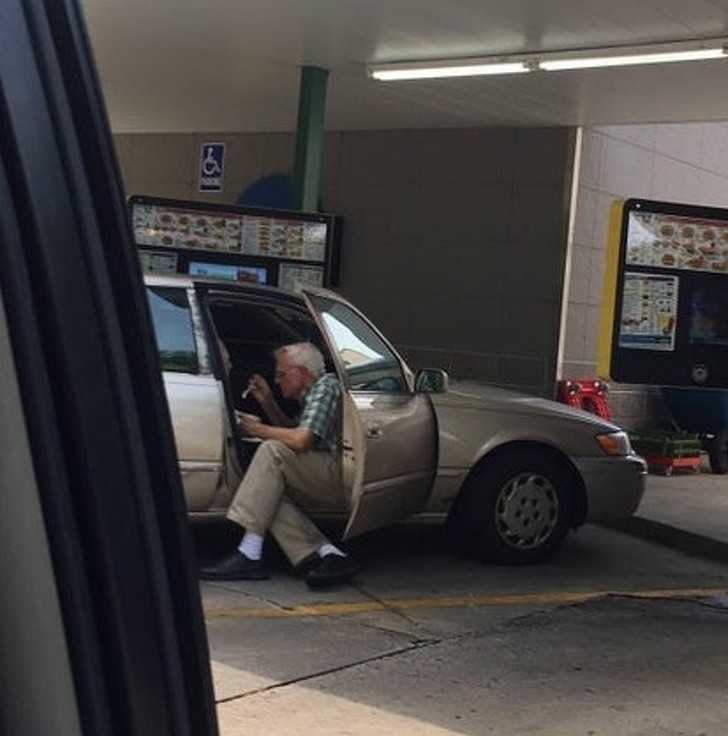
(155, 279)
(222, 286)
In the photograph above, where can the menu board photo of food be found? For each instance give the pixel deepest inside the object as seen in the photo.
(236, 242)
(671, 241)
(176, 228)
(230, 233)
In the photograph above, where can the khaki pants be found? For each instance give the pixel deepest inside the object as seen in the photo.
(266, 497)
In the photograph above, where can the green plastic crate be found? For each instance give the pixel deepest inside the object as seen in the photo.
(665, 443)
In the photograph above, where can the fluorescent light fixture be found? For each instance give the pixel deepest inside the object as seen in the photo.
(680, 51)
(435, 70)
(661, 57)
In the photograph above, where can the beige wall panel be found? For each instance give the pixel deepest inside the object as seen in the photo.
(451, 237)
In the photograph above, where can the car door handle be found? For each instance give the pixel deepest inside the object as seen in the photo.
(374, 432)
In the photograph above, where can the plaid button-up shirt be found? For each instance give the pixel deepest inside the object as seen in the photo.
(320, 410)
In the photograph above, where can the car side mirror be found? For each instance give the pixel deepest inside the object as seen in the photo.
(432, 381)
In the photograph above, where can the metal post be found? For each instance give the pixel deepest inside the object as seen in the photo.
(309, 137)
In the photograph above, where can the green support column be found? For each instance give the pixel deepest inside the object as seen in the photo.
(309, 137)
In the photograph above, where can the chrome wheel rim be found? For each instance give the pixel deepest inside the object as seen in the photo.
(527, 510)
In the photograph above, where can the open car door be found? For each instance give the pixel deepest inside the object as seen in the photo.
(389, 432)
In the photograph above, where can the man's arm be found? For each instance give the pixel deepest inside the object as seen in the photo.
(299, 439)
(276, 415)
(263, 394)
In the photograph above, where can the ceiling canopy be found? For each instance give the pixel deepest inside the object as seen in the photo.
(234, 65)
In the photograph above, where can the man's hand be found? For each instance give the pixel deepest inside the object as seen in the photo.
(298, 439)
(260, 389)
(248, 424)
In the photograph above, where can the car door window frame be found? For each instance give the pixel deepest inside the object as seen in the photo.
(314, 298)
(162, 329)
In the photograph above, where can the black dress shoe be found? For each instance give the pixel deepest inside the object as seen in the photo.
(306, 565)
(235, 567)
(332, 570)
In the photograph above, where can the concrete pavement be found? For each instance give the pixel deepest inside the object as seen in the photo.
(431, 644)
(687, 511)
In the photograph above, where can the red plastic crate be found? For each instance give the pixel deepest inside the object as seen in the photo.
(665, 465)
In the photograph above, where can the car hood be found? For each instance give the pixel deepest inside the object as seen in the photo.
(472, 395)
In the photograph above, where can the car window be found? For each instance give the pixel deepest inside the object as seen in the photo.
(173, 329)
(370, 364)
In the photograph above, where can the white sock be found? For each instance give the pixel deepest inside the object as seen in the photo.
(328, 549)
(251, 545)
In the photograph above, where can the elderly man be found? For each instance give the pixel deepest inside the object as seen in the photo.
(296, 461)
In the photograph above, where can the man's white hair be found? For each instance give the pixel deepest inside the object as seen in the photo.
(305, 355)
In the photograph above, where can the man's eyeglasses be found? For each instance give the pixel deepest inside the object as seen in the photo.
(285, 372)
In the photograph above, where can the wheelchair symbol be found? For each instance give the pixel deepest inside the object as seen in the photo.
(210, 165)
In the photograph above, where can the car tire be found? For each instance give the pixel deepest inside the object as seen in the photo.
(515, 509)
(717, 448)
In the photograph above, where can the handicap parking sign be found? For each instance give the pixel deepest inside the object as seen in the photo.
(212, 167)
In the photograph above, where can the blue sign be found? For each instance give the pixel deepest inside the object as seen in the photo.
(212, 167)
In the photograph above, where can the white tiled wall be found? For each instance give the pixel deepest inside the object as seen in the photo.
(677, 162)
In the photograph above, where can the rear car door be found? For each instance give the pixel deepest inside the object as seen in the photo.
(389, 442)
(193, 393)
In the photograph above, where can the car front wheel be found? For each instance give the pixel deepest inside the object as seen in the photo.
(515, 509)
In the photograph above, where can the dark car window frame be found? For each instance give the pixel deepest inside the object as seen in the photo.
(98, 427)
(175, 336)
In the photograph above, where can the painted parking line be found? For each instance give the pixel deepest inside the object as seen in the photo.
(400, 605)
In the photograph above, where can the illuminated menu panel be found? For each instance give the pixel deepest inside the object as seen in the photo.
(672, 241)
(649, 312)
(292, 276)
(165, 226)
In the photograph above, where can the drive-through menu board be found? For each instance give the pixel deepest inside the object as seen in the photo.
(665, 309)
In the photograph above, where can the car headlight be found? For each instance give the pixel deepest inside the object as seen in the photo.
(615, 443)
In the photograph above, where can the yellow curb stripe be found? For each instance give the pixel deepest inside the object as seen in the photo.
(411, 604)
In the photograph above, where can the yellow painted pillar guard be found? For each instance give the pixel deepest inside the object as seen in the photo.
(609, 296)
